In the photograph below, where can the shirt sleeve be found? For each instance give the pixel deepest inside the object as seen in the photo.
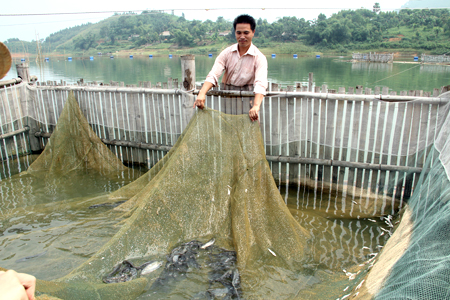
(217, 69)
(260, 85)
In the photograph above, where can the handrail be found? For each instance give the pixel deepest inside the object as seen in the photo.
(133, 90)
(10, 82)
(323, 96)
(13, 133)
(332, 96)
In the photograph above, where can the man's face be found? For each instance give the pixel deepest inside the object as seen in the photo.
(244, 35)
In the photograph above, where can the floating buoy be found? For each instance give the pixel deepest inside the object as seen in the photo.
(150, 55)
(210, 55)
(170, 55)
(131, 56)
(295, 56)
(91, 57)
(317, 56)
(69, 58)
(274, 55)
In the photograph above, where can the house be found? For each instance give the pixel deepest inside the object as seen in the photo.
(224, 33)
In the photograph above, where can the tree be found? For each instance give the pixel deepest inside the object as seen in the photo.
(84, 42)
(104, 31)
(183, 37)
(376, 7)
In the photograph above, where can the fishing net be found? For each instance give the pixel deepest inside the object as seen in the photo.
(214, 183)
(74, 159)
(74, 147)
(414, 263)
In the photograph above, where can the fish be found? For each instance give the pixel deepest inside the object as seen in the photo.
(207, 244)
(273, 253)
(123, 272)
(149, 267)
(126, 271)
(107, 204)
(30, 257)
(218, 293)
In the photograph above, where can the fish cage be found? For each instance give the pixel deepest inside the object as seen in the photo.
(382, 153)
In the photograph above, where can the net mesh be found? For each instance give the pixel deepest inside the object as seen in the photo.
(423, 271)
(74, 147)
(214, 183)
(414, 263)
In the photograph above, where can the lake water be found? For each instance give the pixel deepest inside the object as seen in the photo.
(49, 227)
(283, 69)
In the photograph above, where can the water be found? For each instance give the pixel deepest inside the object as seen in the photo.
(284, 69)
(47, 230)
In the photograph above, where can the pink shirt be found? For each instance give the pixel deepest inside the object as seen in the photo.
(251, 68)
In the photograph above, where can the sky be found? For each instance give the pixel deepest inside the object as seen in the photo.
(21, 20)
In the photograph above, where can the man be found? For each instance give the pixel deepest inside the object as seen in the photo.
(243, 63)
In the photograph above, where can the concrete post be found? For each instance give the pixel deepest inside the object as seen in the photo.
(23, 71)
(310, 82)
(188, 83)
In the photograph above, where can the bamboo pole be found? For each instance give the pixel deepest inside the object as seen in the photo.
(10, 82)
(139, 145)
(332, 96)
(340, 163)
(324, 96)
(108, 89)
(14, 133)
(271, 158)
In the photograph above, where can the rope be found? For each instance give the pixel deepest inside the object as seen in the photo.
(397, 73)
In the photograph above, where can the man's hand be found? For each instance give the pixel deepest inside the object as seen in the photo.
(16, 286)
(253, 113)
(200, 101)
(201, 97)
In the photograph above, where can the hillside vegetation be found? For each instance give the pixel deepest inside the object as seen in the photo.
(152, 31)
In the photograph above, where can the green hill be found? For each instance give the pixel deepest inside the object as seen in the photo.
(349, 30)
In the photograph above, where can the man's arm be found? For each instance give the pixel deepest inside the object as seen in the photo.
(253, 113)
(201, 97)
(260, 86)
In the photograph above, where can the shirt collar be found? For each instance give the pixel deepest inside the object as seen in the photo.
(250, 51)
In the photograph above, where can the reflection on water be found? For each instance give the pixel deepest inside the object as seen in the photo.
(47, 229)
(10, 167)
(340, 237)
(372, 66)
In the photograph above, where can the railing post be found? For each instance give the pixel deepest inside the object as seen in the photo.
(23, 71)
(188, 83)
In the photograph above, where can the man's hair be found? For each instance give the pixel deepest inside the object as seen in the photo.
(245, 19)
